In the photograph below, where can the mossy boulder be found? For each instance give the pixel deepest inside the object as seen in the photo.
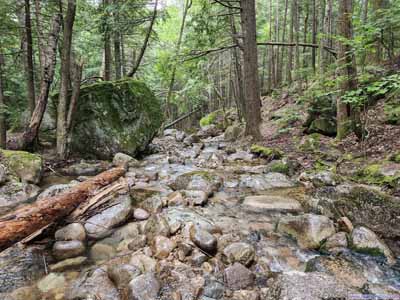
(266, 152)
(27, 166)
(115, 116)
(386, 174)
(323, 126)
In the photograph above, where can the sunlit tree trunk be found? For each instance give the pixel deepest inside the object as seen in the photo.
(29, 71)
(117, 42)
(250, 69)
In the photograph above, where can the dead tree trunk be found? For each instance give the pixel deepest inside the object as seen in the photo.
(49, 64)
(26, 220)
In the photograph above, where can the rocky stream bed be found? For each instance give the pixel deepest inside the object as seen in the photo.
(208, 219)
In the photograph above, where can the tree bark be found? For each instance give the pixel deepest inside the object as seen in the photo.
(65, 80)
(346, 68)
(3, 129)
(250, 69)
(29, 71)
(289, 71)
(117, 42)
(146, 41)
(49, 64)
(107, 42)
(21, 223)
(188, 4)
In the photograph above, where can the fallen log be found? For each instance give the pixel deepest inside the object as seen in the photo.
(21, 223)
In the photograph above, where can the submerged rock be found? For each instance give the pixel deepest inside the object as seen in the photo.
(133, 117)
(68, 249)
(309, 230)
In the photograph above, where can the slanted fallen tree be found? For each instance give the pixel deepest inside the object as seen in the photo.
(23, 222)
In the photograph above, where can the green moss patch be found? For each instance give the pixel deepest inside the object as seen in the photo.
(266, 152)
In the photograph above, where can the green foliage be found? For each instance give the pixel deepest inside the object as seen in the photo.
(266, 152)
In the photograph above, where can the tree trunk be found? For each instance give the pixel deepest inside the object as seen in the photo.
(188, 4)
(250, 69)
(282, 51)
(65, 80)
(117, 42)
(346, 68)
(314, 36)
(364, 20)
(322, 43)
(146, 41)
(291, 40)
(123, 59)
(3, 129)
(107, 43)
(29, 71)
(49, 64)
(26, 220)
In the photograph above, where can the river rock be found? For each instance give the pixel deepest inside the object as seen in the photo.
(155, 226)
(54, 190)
(121, 275)
(162, 247)
(213, 288)
(144, 263)
(27, 166)
(68, 264)
(124, 160)
(102, 252)
(336, 241)
(238, 277)
(101, 225)
(144, 287)
(73, 231)
(20, 266)
(68, 249)
(137, 243)
(133, 117)
(199, 181)
(96, 285)
(342, 269)
(272, 203)
(13, 193)
(51, 282)
(203, 239)
(309, 230)
(366, 241)
(140, 214)
(196, 198)
(265, 181)
(176, 199)
(246, 295)
(85, 168)
(240, 252)
(307, 286)
(3, 174)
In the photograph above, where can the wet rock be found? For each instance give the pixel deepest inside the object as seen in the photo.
(140, 214)
(344, 270)
(245, 295)
(162, 247)
(213, 289)
(68, 264)
(137, 243)
(191, 139)
(196, 198)
(85, 168)
(241, 156)
(101, 252)
(68, 249)
(73, 231)
(309, 230)
(14, 193)
(208, 131)
(101, 225)
(141, 192)
(144, 263)
(96, 285)
(23, 293)
(54, 190)
(51, 282)
(124, 160)
(366, 241)
(240, 252)
(265, 182)
(144, 287)
(121, 275)
(176, 199)
(336, 241)
(296, 285)
(155, 226)
(345, 224)
(185, 215)
(272, 202)
(238, 277)
(198, 258)
(203, 239)
(27, 166)
(153, 204)
(199, 181)
(126, 232)
(20, 266)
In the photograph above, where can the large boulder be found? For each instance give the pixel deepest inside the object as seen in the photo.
(26, 166)
(115, 116)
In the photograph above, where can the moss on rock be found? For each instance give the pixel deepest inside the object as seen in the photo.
(379, 174)
(115, 116)
(27, 166)
(266, 152)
